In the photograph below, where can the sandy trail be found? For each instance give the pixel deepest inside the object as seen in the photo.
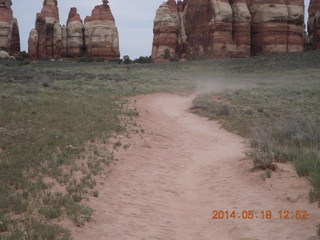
(169, 181)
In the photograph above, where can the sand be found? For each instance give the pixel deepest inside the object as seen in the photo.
(169, 181)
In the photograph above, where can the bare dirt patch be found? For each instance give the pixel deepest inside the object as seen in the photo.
(171, 178)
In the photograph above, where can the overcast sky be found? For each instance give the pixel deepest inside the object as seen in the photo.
(134, 19)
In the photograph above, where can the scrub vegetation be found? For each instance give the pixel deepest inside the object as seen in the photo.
(53, 115)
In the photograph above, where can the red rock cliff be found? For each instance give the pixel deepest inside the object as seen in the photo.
(73, 35)
(45, 41)
(9, 29)
(314, 24)
(101, 33)
(228, 28)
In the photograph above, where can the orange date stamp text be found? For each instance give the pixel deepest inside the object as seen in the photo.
(263, 215)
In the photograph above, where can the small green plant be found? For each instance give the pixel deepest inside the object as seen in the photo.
(117, 144)
(95, 193)
(263, 160)
(268, 173)
(314, 195)
(50, 212)
(4, 223)
(79, 214)
(307, 162)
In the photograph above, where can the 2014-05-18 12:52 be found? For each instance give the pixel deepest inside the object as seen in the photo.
(264, 214)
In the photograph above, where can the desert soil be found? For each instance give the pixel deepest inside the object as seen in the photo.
(169, 181)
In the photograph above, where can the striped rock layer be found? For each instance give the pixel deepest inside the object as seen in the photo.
(101, 34)
(73, 36)
(9, 29)
(96, 37)
(228, 28)
(45, 40)
(314, 24)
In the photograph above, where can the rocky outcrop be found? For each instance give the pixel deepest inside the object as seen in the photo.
(97, 38)
(228, 28)
(314, 24)
(45, 41)
(73, 35)
(166, 41)
(277, 26)
(9, 29)
(101, 33)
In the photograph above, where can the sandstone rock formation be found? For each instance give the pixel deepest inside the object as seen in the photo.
(314, 24)
(9, 30)
(97, 38)
(277, 26)
(101, 33)
(167, 32)
(45, 41)
(73, 35)
(228, 28)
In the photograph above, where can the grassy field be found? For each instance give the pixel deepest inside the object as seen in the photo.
(279, 112)
(53, 113)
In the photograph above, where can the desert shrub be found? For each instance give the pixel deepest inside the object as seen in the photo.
(306, 163)
(268, 173)
(36, 230)
(50, 212)
(4, 223)
(298, 130)
(79, 214)
(262, 139)
(143, 60)
(85, 59)
(212, 107)
(314, 177)
(95, 193)
(263, 159)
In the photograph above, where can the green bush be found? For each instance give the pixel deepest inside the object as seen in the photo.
(85, 59)
(4, 223)
(36, 230)
(143, 60)
(126, 59)
(212, 107)
(315, 179)
(306, 163)
(263, 160)
(50, 212)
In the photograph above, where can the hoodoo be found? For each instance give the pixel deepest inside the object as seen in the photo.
(101, 33)
(45, 40)
(73, 35)
(9, 29)
(314, 24)
(227, 28)
(277, 26)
